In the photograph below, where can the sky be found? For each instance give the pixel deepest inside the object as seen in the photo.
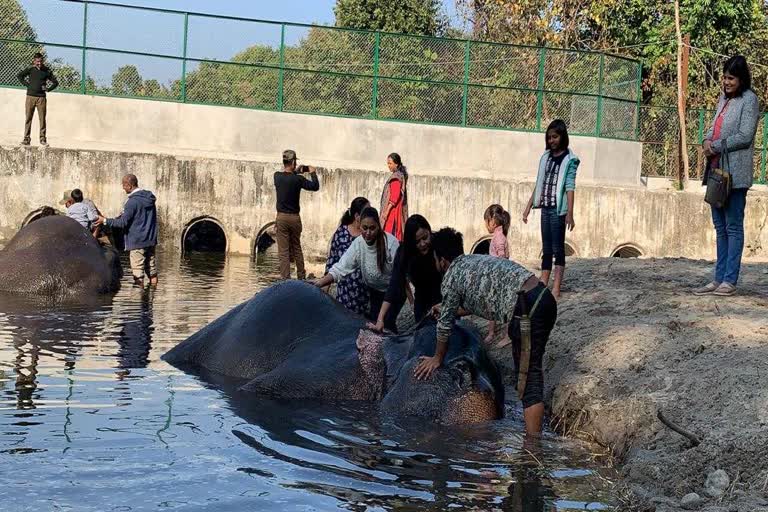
(60, 21)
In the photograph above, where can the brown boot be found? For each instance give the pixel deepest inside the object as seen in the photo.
(559, 273)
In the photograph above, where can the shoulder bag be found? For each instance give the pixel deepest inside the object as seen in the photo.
(718, 181)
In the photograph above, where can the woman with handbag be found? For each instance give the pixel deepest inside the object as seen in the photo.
(729, 147)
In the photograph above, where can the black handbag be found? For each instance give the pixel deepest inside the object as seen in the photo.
(718, 181)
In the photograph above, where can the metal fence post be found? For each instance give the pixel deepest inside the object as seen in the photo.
(85, 40)
(375, 93)
(600, 77)
(465, 95)
(764, 152)
(701, 126)
(638, 94)
(540, 87)
(281, 73)
(184, 60)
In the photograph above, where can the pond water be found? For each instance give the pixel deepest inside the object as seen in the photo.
(92, 420)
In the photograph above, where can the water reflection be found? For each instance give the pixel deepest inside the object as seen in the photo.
(135, 336)
(107, 425)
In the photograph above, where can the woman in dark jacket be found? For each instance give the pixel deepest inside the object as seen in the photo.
(733, 132)
(414, 265)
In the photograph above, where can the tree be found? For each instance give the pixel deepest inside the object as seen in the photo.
(127, 81)
(15, 56)
(232, 84)
(638, 29)
(423, 17)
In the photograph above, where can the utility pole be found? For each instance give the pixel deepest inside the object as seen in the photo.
(682, 91)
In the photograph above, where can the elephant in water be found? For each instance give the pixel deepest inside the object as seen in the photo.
(56, 257)
(293, 341)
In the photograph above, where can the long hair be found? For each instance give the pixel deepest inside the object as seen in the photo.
(381, 239)
(560, 128)
(738, 67)
(399, 163)
(499, 215)
(414, 223)
(357, 206)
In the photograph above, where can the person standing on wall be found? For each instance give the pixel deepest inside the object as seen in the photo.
(288, 186)
(394, 199)
(139, 222)
(554, 195)
(38, 79)
(733, 131)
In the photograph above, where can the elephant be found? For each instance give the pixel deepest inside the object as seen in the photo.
(56, 257)
(293, 341)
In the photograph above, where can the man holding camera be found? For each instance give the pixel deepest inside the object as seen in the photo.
(288, 184)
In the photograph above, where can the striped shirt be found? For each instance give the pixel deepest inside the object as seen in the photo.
(549, 193)
(483, 285)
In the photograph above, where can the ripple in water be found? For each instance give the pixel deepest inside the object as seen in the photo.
(92, 420)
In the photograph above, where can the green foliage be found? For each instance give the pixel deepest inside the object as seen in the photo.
(407, 16)
(126, 81)
(15, 25)
(229, 84)
(638, 29)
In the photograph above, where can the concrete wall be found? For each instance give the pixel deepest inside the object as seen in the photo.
(94, 122)
(240, 195)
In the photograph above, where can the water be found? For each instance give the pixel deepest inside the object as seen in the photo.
(92, 420)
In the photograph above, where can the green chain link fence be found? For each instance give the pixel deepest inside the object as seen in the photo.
(116, 50)
(660, 132)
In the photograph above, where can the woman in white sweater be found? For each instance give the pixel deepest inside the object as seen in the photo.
(373, 253)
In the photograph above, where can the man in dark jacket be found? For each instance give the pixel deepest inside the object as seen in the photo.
(39, 79)
(139, 222)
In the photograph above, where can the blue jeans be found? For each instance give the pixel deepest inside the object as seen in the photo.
(552, 238)
(729, 226)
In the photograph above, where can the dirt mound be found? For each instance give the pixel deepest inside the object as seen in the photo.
(632, 340)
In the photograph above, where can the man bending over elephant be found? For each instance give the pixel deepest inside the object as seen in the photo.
(139, 221)
(495, 289)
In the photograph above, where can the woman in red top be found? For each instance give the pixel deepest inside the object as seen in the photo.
(394, 199)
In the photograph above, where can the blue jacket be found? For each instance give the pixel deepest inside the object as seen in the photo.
(138, 220)
(566, 180)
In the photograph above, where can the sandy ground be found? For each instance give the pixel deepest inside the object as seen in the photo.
(630, 341)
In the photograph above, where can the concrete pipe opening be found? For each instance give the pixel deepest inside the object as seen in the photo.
(627, 251)
(45, 211)
(482, 246)
(204, 234)
(570, 251)
(265, 241)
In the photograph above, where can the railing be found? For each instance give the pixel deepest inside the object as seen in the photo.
(115, 50)
(660, 132)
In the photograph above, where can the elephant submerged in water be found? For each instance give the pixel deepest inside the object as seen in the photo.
(56, 257)
(293, 341)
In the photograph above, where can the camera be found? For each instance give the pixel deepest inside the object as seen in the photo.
(303, 169)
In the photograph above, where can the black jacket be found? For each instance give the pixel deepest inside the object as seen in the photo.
(37, 81)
